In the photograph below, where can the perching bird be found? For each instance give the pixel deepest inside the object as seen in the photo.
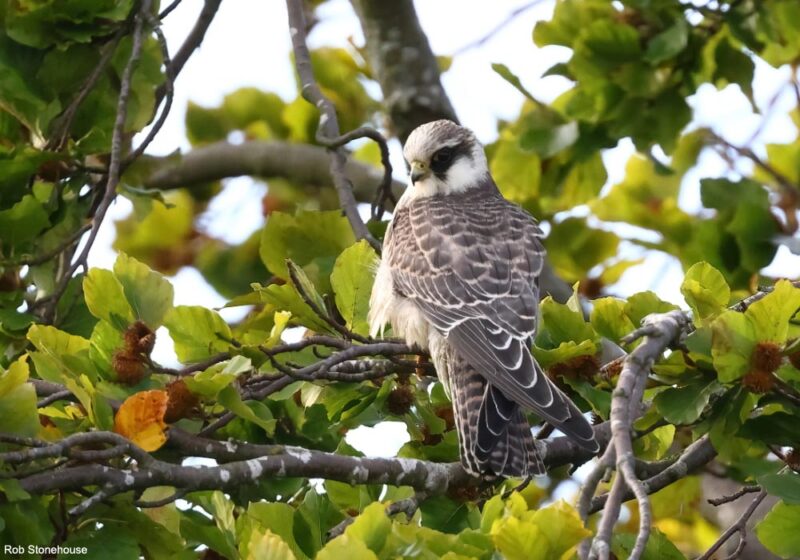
(459, 277)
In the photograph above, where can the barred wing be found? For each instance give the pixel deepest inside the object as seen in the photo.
(471, 262)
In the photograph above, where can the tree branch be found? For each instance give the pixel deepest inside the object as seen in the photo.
(242, 463)
(659, 330)
(300, 163)
(191, 43)
(404, 64)
(328, 131)
(739, 527)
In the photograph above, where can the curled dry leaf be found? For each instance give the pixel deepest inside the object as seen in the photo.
(141, 419)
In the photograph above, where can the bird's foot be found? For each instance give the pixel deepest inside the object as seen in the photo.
(518, 488)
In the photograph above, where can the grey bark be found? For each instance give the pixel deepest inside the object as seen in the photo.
(403, 63)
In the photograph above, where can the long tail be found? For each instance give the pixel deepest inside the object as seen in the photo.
(498, 443)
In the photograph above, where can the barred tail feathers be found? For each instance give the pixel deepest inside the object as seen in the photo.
(494, 443)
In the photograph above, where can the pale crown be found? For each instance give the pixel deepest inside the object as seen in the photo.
(444, 158)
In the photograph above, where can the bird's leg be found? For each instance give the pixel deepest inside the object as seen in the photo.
(422, 361)
(518, 488)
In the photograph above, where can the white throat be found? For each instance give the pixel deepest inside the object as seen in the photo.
(464, 174)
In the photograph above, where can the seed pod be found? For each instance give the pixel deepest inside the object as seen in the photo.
(758, 381)
(766, 357)
(181, 401)
(129, 368)
(400, 400)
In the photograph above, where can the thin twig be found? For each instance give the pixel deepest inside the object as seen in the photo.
(52, 253)
(168, 10)
(328, 124)
(163, 501)
(114, 166)
(294, 275)
(780, 179)
(64, 122)
(169, 93)
(739, 527)
(53, 398)
(514, 14)
(735, 496)
(408, 506)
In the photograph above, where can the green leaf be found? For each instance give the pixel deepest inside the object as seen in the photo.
(778, 428)
(574, 248)
(110, 541)
(267, 545)
(346, 547)
(20, 94)
(684, 405)
(279, 519)
(609, 319)
(656, 444)
(564, 352)
(351, 281)
(105, 298)
(372, 527)
(445, 515)
(252, 411)
(18, 413)
(59, 354)
(319, 515)
(658, 547)
(285, 298)
(705, 291)
(785, 486)
(312, 240)
(770, 315)
(779, 531)
(517, 172)
(149, 293)
(732, 341)
(562, 324)
(198, 332)
(13, 491)
(600, 401)
(643, 304)
(512, 79)
(16, 374)
(214, 379)
(27, 522)
(570, 18)
(603, 46)
(668, 43)
(23, 221)
(548, 141)
(562, 527)
(516, 539)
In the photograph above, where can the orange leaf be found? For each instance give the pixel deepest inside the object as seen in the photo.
(141, 419)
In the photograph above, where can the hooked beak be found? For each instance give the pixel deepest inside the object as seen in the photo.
(419, 171)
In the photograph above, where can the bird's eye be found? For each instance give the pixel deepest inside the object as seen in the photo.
(443, 156)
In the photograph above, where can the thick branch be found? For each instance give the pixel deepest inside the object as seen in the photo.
(403, 63)
(242, 463)
(300, 163)
(659, 330)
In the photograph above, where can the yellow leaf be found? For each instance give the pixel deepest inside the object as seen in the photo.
(141, 419)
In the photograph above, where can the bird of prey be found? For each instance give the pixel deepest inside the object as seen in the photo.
(459, 277)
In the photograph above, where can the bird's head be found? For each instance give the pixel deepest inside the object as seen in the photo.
(444, 158)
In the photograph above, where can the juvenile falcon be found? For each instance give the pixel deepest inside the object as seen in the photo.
(459, 277)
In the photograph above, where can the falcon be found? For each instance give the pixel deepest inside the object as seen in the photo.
(459, 277)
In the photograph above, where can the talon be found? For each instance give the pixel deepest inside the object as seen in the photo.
(519, 488)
